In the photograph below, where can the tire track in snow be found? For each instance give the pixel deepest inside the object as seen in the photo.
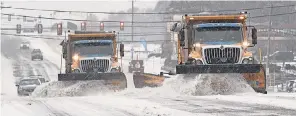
(221, 107)
(121, 112)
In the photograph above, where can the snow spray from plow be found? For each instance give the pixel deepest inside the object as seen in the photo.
(209, 84)
(74, 88)
(196, 85)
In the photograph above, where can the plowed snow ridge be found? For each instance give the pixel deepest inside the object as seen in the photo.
(207, 84)
(71, 88)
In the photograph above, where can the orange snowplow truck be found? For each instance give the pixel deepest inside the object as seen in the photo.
(218, 43)
(93, 56)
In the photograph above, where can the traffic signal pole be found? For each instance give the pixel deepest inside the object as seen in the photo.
(132, 51)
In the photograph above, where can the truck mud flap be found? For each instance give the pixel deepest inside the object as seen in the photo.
(224, 68)
(142, 80)
(116, 79)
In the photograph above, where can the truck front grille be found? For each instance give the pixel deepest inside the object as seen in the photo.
(222, 56)
(99, 65)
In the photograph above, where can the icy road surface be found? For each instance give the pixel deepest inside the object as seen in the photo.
(171, 100)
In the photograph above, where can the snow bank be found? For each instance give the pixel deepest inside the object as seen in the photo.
(8, 87)
(256, 98)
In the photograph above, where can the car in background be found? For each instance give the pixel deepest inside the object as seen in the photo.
(42, 79)
(25, 45)
(36, 54)
(27, 85)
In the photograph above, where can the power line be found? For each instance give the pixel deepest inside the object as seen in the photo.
(82, 19)
(130, 21)
(273, 15)
(91, 12)
(57, 37)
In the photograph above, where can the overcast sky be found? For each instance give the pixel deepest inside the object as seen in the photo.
(100, 6)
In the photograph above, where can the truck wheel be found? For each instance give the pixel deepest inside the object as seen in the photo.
(41, 58)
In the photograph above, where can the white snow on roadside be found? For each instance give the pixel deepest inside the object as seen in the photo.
(7, 79)
(256, 98)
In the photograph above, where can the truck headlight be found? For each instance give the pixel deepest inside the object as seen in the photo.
(245, 44)
(247, 60)
(75, 57)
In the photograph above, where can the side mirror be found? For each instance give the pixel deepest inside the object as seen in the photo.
(64, 52)
(176, 27)
(254, 36)
(182, 38)
(121, 50)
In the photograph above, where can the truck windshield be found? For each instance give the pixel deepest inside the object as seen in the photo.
(91, 48)
(218, 34)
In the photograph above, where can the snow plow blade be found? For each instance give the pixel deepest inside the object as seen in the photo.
(224, 68)
(254, 74)
(148, 80)
(115, 79)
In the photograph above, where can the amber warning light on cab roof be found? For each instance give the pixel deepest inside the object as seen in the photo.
(241, 17)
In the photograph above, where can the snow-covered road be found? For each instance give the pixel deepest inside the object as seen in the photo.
(168, 100)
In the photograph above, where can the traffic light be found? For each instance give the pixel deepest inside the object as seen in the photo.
(101, 26)
(39, 28)
(18, 28)
(9, 17)
(83, 26)
(24, 19)
(59, 29)
(121, 26)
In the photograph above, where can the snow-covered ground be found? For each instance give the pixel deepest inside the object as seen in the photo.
(175, 98)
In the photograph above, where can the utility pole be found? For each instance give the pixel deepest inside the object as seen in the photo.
(268, 45)
(132, 29)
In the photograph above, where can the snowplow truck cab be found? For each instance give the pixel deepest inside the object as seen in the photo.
(92, 56)
(136, 65)
(218, 43)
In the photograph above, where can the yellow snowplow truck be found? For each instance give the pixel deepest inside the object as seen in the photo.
(93, 56)
(218, 43)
